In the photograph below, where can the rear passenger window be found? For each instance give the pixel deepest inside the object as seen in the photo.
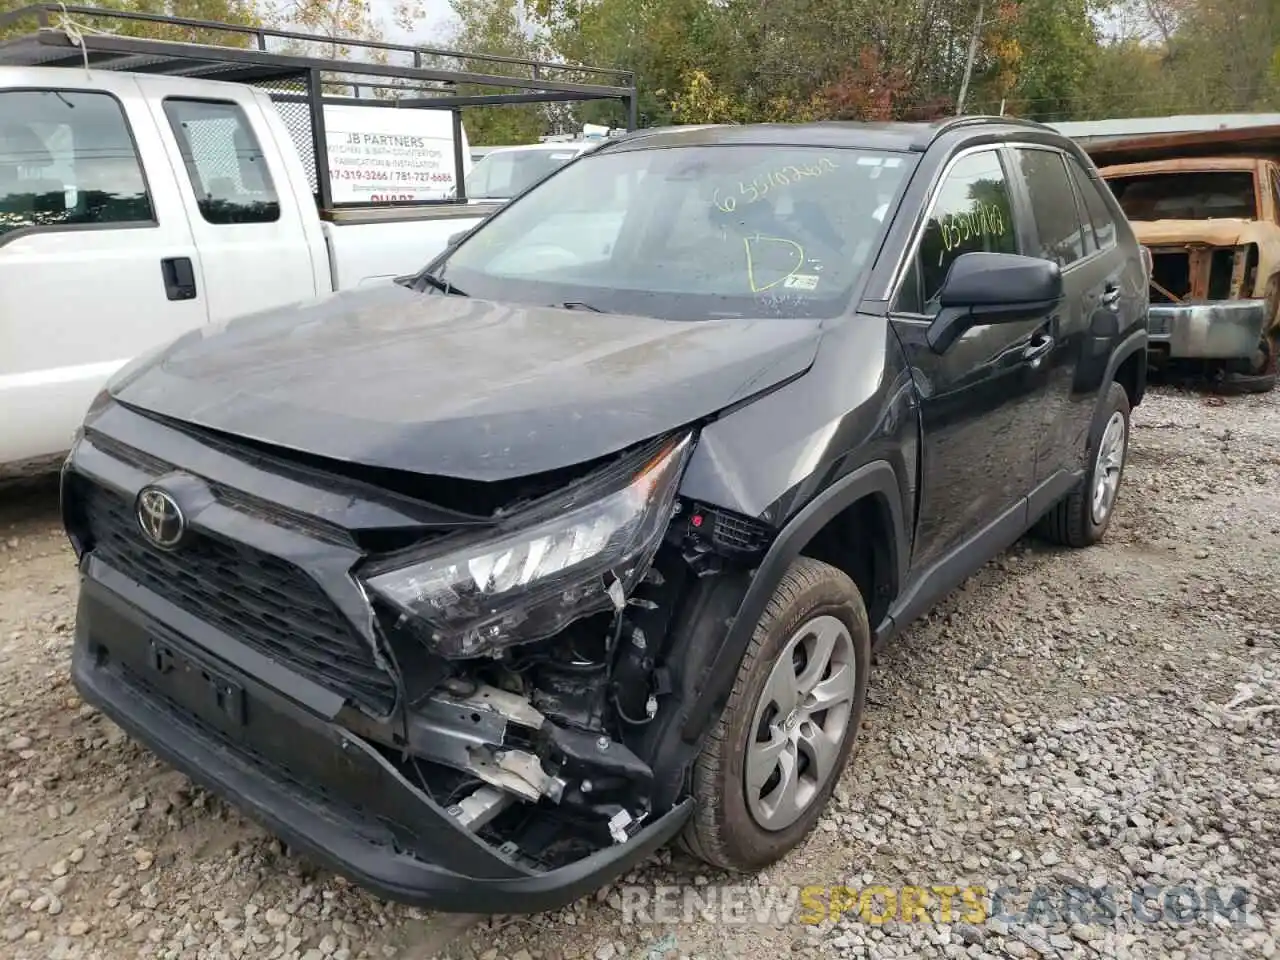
(224, 162)
(1104, 225)
(971, 214)
(1053, 206)
(67, 159)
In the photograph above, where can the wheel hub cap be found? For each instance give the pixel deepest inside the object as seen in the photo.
(1107, 467)
(800, 723)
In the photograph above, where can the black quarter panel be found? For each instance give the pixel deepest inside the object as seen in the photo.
(854, 406)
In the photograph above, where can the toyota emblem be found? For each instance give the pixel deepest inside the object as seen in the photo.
(160, 517)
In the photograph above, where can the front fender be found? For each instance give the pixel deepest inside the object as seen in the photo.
(876, 479)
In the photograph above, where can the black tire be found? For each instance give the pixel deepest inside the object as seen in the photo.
(1070, 523)
(1259, 374)
(1241, 384)
(723, 832)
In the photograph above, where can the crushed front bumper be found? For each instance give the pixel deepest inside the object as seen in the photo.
(1224, 330)
(304, 777)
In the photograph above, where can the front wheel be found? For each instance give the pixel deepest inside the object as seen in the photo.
(1081, 518)
(773, 759)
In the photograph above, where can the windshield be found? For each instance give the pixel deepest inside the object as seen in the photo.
(689, 233)
(500, 176)
(1186, 196)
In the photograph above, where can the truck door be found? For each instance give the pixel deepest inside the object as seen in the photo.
(96, 256)
(246, 220)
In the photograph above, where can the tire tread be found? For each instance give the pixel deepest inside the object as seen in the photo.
(702, 837)
(1068, 522)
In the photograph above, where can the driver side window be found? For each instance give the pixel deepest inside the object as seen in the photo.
(972, 214)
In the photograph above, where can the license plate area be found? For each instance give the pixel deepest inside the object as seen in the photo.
(198, 686)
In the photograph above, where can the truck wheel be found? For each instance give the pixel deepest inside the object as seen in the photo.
(770, 764)
(1081, 518)
(1261, 376)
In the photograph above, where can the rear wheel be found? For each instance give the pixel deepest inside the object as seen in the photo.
(1081, 518)
(774, 757)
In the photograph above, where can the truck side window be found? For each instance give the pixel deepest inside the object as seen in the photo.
(972, 214)
(226, 166)
(1104, 225)
(1053, 206)
(67, 159)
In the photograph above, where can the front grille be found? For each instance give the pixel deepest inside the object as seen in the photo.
(260, 600)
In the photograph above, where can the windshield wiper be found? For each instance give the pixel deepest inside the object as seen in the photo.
(581, 305)
(425, 279)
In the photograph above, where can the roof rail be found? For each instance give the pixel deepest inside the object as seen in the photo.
(973, 119)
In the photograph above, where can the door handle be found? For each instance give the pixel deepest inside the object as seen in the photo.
(1111, 296)
(1039, 346)
(179, 278)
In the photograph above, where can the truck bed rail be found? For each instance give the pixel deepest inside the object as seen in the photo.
(71, 35)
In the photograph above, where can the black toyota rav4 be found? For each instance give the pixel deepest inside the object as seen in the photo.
(482, 585)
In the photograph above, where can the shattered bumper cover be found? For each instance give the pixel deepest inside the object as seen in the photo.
(1225, 330)
(308, 780)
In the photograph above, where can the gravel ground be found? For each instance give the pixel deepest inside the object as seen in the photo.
(1108, 717)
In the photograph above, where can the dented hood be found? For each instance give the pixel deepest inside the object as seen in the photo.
(457, 387)
(1214, 233)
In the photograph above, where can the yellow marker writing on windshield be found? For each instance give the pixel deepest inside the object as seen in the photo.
(758, 187)
(751, 270)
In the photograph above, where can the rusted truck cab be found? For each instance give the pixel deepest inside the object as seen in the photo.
(1212, 225)
(1203, 196)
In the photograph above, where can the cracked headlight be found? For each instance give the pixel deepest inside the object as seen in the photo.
(578, 555)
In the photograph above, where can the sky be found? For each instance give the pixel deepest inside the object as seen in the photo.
(431, 31)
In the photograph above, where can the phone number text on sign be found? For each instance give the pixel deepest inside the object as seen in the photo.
(382, 168)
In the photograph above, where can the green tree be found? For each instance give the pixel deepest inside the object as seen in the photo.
(500, 28)
(241, 12)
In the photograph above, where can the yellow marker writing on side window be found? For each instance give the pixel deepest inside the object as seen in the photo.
(982, 220)
(751, 269)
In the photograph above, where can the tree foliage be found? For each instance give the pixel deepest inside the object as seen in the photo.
(700, 61)
(246, 13)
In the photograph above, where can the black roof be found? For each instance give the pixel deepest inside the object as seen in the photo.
(888, 136)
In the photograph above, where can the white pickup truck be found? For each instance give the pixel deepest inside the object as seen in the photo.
(113, 239)
(135, 207)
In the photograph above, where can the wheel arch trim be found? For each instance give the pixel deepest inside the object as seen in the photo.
(1134, 342)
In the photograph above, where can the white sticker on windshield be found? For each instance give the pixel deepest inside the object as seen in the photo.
(801, 281)
(562, 156)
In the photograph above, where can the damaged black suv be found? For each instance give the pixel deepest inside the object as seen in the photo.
(482, 585)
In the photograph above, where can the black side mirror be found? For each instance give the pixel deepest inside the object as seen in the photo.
(982, 288)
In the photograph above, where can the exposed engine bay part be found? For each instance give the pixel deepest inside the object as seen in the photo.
(478, 696)
(559, 721)
(477, 809)
(517, 771)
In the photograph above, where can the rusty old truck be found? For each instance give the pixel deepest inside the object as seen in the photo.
(1206, 204)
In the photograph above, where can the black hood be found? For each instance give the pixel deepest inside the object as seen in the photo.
(458, 387)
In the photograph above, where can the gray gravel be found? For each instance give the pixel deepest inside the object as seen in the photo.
(1105, 719)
